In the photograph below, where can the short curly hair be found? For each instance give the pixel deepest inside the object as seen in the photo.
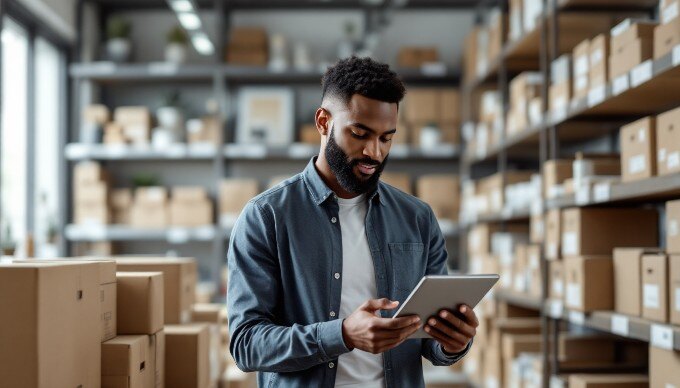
(363, 76)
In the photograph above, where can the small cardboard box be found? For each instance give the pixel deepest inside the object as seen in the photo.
(668, 142)
(607, 381)
(666, 36)
(235, 193)
(628, 280)
(581, 69)
(555, 172)
(663, 368)
(121, 206)
(189, 193)
(153, 195)
(187, 356)
(655, 287)
(598, 57)
(96, 114)
(589, 283)
(629, 31)
(88, 172)
(553, 235)
(674, 288)
(136, 122)
(417, 56)
(149, 216)
(179, 278)
(126, 362)
(559, 96)
(95, 193)
(537, 228)
(248, 37)
(597, 231)
(140, 302)
(638, 145)
(627, 57)
(191, 214)
(441, 192)
(586, 348)
(401, 181)
(92, 214)
(422, 105)
(246, 57)
(479, 237)
(534, 274)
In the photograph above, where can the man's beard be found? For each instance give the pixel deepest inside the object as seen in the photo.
(343, 168)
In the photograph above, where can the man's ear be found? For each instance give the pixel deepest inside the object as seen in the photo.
(323, 119)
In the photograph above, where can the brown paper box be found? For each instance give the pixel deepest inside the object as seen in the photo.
(628, 280)
(637, 30)
(655, 287)
(187, 356)
(401, 181)
(589, 283)
(441, 192)
(556, 281)
(50, 327)
(598, 61)
(674, 288)
(247, 57)
(95, 193)
(189, 193)
(666, 36)
(450, 105)
(96, 114)
(626, 58)
(555, 172)
(515, 344)
(663, 368)
(580, 69)
(154, 195)
(248, 37)
(126, 362)
(537, 228)
(479, 237)
(156, 351)
(88, 172)
(553, 234)
(422, 105)
(92, 214)
(559, 96)
(149, 216)
(140, 306)
(187, 214)
(179, 278)
(417, 56)
(235, 193)
(668, 142)
(638, 146)
(608, 381)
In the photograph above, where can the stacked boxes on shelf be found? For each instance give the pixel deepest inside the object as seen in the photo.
(248, 46)
(429, 117)
(632, 43)
(91, 194)
(526, 107)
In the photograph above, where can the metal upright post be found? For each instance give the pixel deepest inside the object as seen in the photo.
(502, 162)
(554, 53)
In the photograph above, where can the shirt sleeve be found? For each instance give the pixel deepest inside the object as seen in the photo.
(253, 297)
(436, 265)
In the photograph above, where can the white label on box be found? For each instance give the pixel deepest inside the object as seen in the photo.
(621, 27)
(673, 160)
(577, 317)
(673, 228)
(677, 299)
(641, 136)
(204, 233)
(583, 195)
(581, 65)
(661, 155)
(163, 68)
(177, 235)
(559, 113)
(596, 57)
(552, 250)
(620, 325)
(602, 192)
(570, 244)
(637, 164)
(620, 84)
(155, 193)
(581, 82)
(676, 55)
(661, 336)
(433, 69)
(596, 95)
(641, 73)
(556, 309)
(558, 287)
(573, 296)
(650, 296)
(669, 13)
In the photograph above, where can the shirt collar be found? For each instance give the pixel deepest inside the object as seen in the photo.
(320, 192)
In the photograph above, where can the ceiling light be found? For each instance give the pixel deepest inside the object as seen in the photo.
(189, 20)
(182, 6)
(202, 44)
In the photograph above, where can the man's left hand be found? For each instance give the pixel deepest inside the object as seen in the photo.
(452, 332)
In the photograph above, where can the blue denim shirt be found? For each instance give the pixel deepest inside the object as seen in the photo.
(283, 298)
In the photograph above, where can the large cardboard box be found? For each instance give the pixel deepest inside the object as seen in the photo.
(156, 351)
(630, 30)
(674, 287)
(401, 181)
(553, 235)
(638, 146)
(598, 61)
(215, 315)
(179, 278)
(673, 226)
(50, 326)
(668, 142)
(663, 368)
(140, 302)
(655, 287)
(608, 381)
(666, 36)
(597, 231)
(441, 192)
(422, 104)
(187, 356)
(627, 57)
(126, 362)
(235, 193)
(590, 283)
(628, 280)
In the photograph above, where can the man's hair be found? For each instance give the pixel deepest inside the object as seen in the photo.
(362, 76)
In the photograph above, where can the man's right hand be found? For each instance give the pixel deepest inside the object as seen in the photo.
(364, 330)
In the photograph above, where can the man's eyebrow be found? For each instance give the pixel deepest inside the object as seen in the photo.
(369, 129)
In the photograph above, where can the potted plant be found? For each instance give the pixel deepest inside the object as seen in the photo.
(118, 45)
(176, 48)
(7, 244)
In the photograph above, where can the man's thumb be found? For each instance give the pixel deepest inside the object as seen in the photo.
(380, 304)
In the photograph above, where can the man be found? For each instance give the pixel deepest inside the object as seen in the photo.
(318, 264)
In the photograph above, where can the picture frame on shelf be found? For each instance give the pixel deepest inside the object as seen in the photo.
(265, 116)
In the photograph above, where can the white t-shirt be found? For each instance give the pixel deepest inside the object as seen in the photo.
(357, 368)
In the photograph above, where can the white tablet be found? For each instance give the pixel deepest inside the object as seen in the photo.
(436, 292)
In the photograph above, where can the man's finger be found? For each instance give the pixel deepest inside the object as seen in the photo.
(445, 341)
(392, 342)
(446, 330)
(470, 315)
(396, 323)
(373, 305)
(457, 323)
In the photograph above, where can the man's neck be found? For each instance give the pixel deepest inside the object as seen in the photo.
(329, 178)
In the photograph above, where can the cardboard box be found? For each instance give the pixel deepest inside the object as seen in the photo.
(96, 114)
(50, 327)
(555, 172)
(537, 228)
(628, 280)
(598, 61)
(206, 130)
(666, 36)
(492, 367)
(95, 193)
(237, 56)
(668, 142)
(187, 356)
(450, 105)
(140, 302)
(597, 231)
(136, 122)
(149, 216)
(479, 237)
(586, 348)
(88, 172)
(310, 135)
(235, 193)
(515, 344)
(663, 368)
(630, 30)
(559, 96)
(590, 283)
(179, 278)
(441, 192)
(627, 57)
(121, 205)
(581, 69)
(422, 105)
(156, 352)
(92, 214)
(126, 362)
(401, 181)
(553, 234)
(608, 381)
(189, 194)
(153, 195)
(191, 214)
(114, 134)
(417, 56)
(638, 143)
(248, 37)
(534, 274)
(655, 287)
(494, 187)
(674, 288)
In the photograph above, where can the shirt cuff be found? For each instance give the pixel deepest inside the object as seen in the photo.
(330, 339)
(453, 358)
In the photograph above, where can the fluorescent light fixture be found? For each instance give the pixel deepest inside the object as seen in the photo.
(182, 6)
(202, 44)
(189, 20)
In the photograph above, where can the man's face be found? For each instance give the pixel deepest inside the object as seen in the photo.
(359, 142)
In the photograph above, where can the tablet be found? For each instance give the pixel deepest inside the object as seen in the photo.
(436, 292)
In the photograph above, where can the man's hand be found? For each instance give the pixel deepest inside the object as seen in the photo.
(451, 332)
(364, 330)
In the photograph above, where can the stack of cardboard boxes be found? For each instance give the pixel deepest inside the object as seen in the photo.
(234, 195)
(441, 192)
(248, 46)
(632, 43)
(91, 194)
(190, 207)
(560, 91)
(667, 33)
(132, 124)
(150, 208)
(439, 107)
(415, 57)
(525, 102)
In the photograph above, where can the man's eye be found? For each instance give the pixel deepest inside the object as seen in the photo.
(385, 139)
(357, 136)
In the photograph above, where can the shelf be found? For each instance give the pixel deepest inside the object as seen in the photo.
(657, 188)
(79, 151)
(657, 334)
(506, 216)
(449, 228)
(517, 299)
(173, 235)
(607, 4)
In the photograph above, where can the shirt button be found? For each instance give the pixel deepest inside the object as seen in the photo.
(337, 275)
(332, 314)
(331, 365)
(334, 220)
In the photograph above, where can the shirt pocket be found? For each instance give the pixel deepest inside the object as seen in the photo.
(408, 266)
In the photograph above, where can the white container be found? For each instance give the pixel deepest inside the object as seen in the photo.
(175, 53)
(119, 49)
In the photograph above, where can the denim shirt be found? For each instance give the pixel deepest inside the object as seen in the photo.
(285, 254)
